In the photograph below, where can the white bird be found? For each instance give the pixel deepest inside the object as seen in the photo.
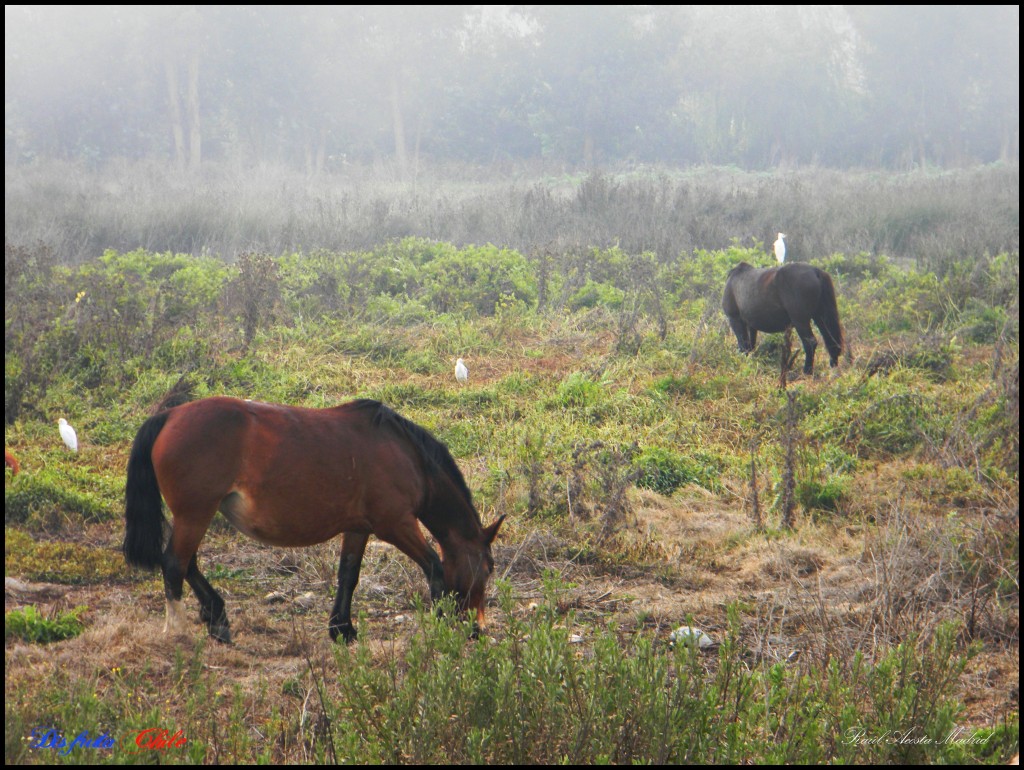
(461, 372)
(690, 636)
(68, 434)
(780, 248)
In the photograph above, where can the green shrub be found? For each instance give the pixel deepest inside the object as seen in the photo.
(47, 494)
(478, 278)
(664, 471)
(982, 323)
(815, 495)
(579, 391)
(703, 274)
(593, 294)
(691, 387)
(530, 697)
(30, 625)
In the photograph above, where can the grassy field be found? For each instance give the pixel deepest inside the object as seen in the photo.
(850, 543)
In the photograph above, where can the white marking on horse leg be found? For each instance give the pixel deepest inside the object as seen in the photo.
(174, 620)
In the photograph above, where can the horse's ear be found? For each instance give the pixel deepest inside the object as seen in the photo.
(492, 531)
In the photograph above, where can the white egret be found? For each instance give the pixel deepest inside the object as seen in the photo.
(780, 248)
(68, 434)
(461, 372)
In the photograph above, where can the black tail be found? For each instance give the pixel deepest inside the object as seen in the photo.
(143, 507)
(828, 318)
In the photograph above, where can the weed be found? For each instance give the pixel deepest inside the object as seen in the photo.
(30, 625)
(60, 562)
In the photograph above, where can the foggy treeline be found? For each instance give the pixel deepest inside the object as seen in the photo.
(319, 87)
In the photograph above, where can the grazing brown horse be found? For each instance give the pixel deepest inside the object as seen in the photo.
(772, 299)
(290, 476)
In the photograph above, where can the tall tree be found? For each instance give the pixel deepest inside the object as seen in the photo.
(932, 74)
(179, 36)
(594, 71)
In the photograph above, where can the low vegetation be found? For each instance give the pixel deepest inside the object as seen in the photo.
(30, 625)
(851, 543)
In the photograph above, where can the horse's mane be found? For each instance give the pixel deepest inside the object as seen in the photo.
(436, 457)
(180, 393)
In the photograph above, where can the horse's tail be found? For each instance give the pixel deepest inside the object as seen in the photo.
(828, 318)
(11, 461)
(143, 507)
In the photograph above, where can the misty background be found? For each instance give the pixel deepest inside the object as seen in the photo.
(317, 87)
(223, 128)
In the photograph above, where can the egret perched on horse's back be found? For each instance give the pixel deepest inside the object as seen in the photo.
(780, 248)
(68, 434)
(461, 372)
(772, 299)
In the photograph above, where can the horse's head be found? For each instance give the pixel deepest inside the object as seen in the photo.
(468, 565)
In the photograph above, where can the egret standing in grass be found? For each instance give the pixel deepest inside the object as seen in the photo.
(780, 248)
(68, 434)
(461, 372)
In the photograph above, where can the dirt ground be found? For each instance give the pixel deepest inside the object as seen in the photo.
(802, 598)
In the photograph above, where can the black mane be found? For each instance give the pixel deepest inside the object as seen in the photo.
(438, 461)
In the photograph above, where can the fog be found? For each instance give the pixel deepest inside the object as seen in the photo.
(320, 87)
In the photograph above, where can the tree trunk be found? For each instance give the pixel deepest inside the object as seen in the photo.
(588, 150)
(1009, 145)
(315, 151)
(174, 104)
(195, 134)
(398, 125)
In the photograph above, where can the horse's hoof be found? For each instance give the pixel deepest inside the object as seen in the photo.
(221, 634)
(346, 632)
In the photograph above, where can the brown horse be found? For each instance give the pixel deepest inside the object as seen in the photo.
(772, 299)
(10, 461)
(290, 476)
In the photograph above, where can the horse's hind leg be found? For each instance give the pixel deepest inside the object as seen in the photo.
(832, 345)
(353, 545)
(179, 563)
(174, 579)
(810, 344)
(211, 605)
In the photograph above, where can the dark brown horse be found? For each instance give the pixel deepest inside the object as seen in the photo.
(290, 476)
(772, 299)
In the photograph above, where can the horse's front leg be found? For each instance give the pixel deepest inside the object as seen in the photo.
(353, 545)
(746, 335)
(409, 540)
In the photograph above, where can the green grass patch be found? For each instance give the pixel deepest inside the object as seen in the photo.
(58, 562)
(30, 625)
(664, 470)
(48, 494)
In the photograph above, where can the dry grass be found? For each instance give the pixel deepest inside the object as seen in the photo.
(824, 593)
